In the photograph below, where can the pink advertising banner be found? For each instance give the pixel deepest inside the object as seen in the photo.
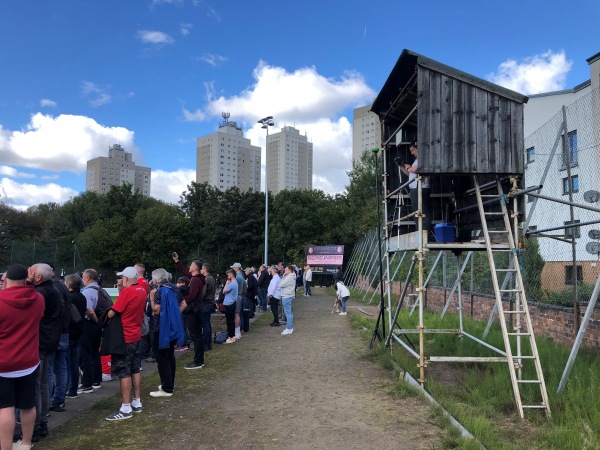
(325, 260)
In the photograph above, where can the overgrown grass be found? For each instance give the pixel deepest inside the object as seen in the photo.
(480, 396)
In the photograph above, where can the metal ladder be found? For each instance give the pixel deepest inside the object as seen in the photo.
(523, 327)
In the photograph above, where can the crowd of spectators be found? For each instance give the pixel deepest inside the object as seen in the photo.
(54, 330)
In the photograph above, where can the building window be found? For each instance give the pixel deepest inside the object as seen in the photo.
(530, 155)
(573, 231)
(569, 274)
(570, 149)
(573, 186)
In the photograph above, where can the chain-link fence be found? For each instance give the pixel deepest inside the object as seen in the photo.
(65, 256)
(561, 256)
(563, 156)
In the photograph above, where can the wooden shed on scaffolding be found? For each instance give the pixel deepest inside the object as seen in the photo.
(470, 141)
(463, 125)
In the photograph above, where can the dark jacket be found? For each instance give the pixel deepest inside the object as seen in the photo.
(264, 279)
(194, 298)
(113, 339)
(80, 302)
(211, 290)
(252, 290)
(51, 324)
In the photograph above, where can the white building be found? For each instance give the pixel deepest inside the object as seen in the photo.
(366, 131)
(574, 173)
(115, 170)
(289, 161)
(226, 158)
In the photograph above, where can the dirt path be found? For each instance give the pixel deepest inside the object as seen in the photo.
(313, 389)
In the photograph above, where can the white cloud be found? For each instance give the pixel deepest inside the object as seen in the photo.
(213, 14)
(168, 186)
(302, 95)
(23, 195)
(213, 59)
(185, 28)
(193, 116)
(154, 37)
(42, 144)
(305, 99)
(14, 173)
(46, 102)
(168, 2)
(545, 72)
(97, 96)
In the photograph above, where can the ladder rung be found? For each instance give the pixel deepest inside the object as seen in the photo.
(509, 290)
(497, 231)
(493, 213)
(535, 406)
(519, 334)
(514, 312)
(489, 195)
(506, 270)
(529, 381)
(524, 357)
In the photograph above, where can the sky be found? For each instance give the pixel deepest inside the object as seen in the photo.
(154, 75)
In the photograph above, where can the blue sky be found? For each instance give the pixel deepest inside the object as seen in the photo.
(153, 75)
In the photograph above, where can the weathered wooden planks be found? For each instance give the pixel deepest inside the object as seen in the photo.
(464, 129)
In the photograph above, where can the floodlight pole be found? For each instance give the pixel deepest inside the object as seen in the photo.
(381, 317)
(266, 123)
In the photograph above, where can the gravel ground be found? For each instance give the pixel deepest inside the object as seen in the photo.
(313, 389)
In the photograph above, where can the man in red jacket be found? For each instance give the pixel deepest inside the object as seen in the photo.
(21, 310)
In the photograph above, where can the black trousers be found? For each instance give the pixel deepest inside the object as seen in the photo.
(193, 321)
(89, 353)
(207, 310)
(275, 309)
(230, 319)
(165, 360)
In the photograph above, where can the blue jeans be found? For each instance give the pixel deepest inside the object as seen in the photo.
(262, 297)
(287, 308)
(58, 371)
(73, 363)
(344, 300)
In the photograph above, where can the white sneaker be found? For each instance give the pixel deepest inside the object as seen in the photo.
(160, 393)
(230, 341)
(343, 314)
(238, 337)
(107, 377)
(287, 331)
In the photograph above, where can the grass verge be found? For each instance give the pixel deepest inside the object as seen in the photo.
(480, 396)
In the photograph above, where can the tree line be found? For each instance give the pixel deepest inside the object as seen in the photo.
(121, 227)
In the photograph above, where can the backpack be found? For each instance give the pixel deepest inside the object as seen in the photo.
(221, 337)
(104, 302)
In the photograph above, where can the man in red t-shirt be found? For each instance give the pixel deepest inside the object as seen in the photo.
(130, 306)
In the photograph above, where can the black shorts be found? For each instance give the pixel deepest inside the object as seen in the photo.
(123, 366)
(18, 392)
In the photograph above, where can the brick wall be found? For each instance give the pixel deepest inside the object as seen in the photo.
(554, 322)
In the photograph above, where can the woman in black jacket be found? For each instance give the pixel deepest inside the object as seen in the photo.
(73, 283)
(251, 292)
